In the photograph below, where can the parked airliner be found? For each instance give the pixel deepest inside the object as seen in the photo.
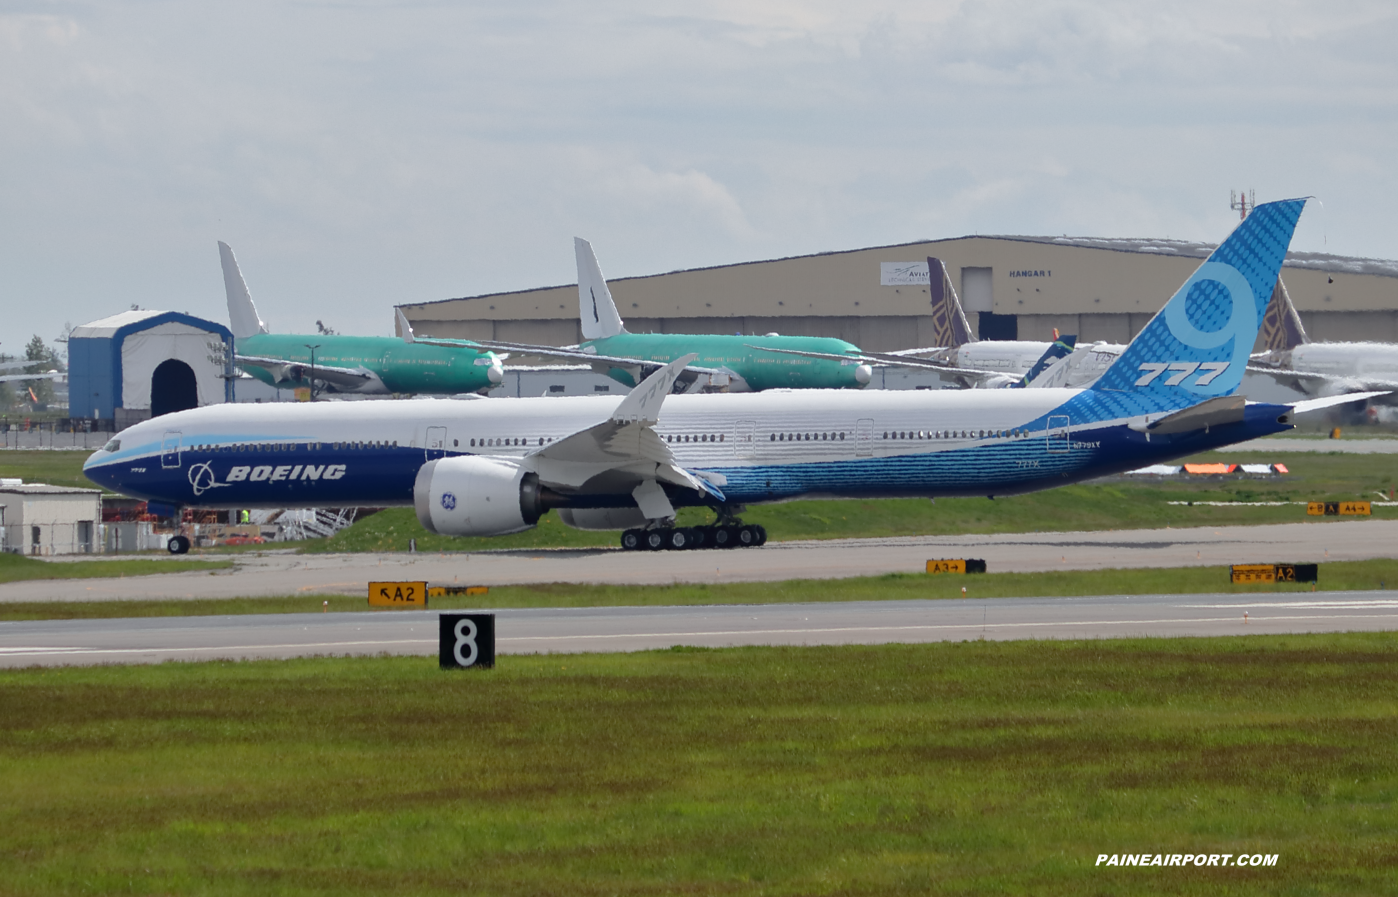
(487, 467)
(725, 362)
(1323, 369)
(365, 365)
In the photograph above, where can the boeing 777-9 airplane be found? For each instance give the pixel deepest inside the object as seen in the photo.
(493, 467)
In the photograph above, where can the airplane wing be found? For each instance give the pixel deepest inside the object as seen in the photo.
(1313, 384)
(46, 375)
(283, 369)
(1329, 401)
(625, 450)
(620, 361)
(967, 378)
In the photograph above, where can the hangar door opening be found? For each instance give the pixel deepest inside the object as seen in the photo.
(978, 297)
(173, 388)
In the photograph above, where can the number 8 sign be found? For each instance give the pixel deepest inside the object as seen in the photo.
(466, 640)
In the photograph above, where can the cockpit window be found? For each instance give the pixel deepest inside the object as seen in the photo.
(113, 446)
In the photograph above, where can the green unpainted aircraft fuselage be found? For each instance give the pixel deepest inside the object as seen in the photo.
(745, 356)
(400, 367)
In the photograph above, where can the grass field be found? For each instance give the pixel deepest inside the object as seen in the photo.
(1334, 577)
(14, 568)
(961, 768)
(57, 468)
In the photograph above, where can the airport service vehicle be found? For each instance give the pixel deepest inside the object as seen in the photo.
(493, 466)
(722, 362)
(369, 365)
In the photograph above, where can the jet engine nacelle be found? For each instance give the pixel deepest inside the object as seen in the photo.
(476, 496)
(602, 518)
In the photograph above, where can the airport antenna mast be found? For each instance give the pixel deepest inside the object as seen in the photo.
(1242, 203)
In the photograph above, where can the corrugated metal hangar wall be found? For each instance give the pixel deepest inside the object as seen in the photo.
(1011, 287)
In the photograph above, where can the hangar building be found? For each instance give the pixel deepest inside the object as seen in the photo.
(877, 298)
(141, 364)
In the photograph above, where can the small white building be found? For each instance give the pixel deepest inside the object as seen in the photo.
(48, 520)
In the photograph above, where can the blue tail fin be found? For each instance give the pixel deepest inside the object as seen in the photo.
(1061, 347)
(1197, 347)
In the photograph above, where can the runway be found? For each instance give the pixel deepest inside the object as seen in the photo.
(312, 574)
(152, 640)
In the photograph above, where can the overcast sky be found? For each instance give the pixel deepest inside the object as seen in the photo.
(361, 154)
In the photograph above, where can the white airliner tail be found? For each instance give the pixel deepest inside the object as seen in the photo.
(596, 309)
(242, 314)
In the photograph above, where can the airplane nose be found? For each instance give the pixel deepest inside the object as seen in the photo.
(96, 471)
(495, 374)
(863, 374)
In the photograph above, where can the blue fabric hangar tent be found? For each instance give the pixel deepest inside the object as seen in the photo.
(141, 364)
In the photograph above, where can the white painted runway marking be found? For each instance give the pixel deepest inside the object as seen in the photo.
(1325, 605)
(24, 652)
(931, 627)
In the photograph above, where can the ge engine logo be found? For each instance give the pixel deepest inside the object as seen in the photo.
(449, 501)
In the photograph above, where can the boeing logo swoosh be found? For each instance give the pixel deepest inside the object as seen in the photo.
(201, 477)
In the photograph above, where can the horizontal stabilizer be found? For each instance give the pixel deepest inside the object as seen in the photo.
(1208, 413)
(1331, 401)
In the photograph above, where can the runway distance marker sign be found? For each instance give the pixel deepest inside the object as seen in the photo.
(397, 594)
(465, 641)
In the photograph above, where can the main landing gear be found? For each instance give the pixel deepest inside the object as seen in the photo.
(669, 538)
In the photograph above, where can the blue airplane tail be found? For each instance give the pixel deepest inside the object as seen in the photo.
(1061, 347)
(1197, 347)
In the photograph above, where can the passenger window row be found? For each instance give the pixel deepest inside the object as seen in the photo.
(806, 437)
(510, 441)
(955, 434)
(359, 445)
(698, 437)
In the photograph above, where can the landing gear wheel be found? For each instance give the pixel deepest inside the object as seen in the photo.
(761, 533)
(680, 539)
(655, 539)
(747, 536)
(631, 540)
(177, 545)
(725, 536)
(703, 536)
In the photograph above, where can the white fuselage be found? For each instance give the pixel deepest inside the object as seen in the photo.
(768, 446)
